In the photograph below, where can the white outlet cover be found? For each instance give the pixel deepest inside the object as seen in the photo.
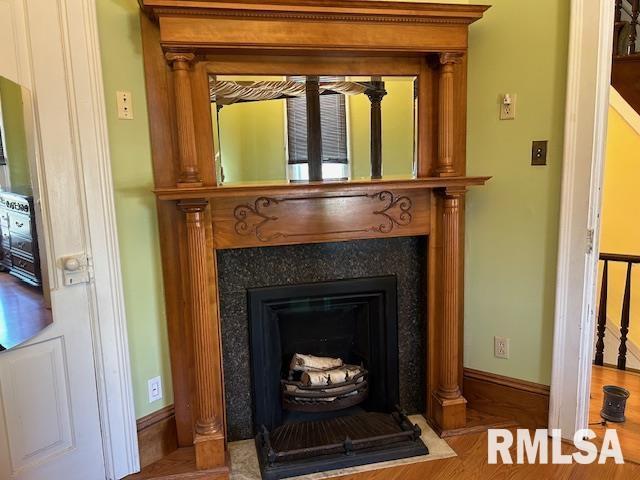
(501, 347)
(155, 389)
(508, 111)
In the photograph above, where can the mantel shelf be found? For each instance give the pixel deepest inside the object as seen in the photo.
(315, 188)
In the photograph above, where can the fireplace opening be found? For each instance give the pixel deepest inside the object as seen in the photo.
(342, 411)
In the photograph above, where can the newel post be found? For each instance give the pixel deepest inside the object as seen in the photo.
(446, 107)
(181, 66)
(209, 430)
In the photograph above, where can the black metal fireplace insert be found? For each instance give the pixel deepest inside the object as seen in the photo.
(354, 320)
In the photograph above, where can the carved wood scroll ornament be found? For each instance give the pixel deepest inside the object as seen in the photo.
(254, 219)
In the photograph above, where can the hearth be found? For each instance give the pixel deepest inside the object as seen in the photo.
(306, 422)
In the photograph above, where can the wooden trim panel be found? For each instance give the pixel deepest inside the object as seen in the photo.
(525, 402)
(157, 435)
(261, 221)
(203, 33)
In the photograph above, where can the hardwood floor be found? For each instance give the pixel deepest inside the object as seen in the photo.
(23, 312)
(471, 463)
(629, 431)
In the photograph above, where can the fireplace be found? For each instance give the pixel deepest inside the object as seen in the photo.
(355, 322)
(202, 221)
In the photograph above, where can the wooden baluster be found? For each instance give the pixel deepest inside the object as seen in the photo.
(624, 321)
(602, 315)
(376, 94)
(209, 438)
(618, 16)
(633, 27)
(189, 172)
(451, 406)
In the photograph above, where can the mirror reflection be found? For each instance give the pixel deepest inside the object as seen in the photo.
(305, 128)
(25, 307)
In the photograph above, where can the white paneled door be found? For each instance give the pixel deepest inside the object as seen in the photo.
(58, 418)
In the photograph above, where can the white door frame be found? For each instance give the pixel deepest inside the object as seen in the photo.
(590, 46)
(111, 346)
(82, 63)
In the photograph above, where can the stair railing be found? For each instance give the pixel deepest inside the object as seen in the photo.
(630, 260)
(624, 9)
(633, 27)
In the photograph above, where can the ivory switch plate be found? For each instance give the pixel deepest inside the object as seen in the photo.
(125, 106)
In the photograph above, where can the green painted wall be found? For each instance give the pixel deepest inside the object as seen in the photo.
(520, 47)
(512, 223)
(253, 150)
(119, 29)
(16, 140)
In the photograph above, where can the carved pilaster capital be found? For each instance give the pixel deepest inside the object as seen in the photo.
(180, 60)
(452, 193)
(455, 192)
(450, 58)
(193, 209)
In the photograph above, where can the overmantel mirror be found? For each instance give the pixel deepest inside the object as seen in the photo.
(300, 122)
(300, 128)
(25, 305)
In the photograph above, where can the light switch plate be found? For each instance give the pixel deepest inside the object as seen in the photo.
(539, 152)
(125, 105)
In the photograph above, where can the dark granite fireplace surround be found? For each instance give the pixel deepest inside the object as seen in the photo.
(243, 269)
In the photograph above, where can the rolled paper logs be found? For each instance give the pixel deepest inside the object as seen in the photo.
(306, 363)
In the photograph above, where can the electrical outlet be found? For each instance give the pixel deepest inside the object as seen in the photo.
(155, 389)
(125, 106)
(501, 347)
(508, 106)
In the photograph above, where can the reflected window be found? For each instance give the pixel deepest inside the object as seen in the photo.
(333, 131)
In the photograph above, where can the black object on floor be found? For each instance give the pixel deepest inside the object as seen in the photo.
(346, 441)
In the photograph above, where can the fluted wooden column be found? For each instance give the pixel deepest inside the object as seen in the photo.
(450, 406)
(181, 65)
(209, 438)
(446, 107)
(448, 387)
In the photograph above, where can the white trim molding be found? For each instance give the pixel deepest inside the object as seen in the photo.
(111, 349)
(625, 110)
(591, 36)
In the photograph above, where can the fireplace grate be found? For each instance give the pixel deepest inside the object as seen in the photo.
(339, 442)
(297, 396)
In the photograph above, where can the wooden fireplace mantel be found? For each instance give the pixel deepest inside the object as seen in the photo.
(184, 41)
